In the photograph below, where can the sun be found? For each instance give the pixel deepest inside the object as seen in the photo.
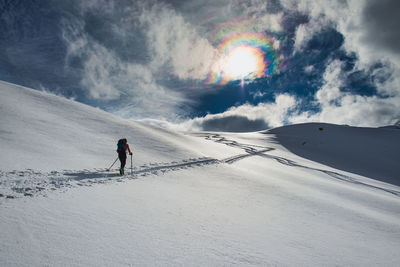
(242, 62)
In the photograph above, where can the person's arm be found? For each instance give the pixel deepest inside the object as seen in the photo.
(127, 146)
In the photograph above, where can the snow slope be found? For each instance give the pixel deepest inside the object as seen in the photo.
(371, 152)
(198, 199)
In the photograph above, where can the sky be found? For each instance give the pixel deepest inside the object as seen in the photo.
(221, 65)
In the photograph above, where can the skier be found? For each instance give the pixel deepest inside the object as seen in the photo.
(121, 150)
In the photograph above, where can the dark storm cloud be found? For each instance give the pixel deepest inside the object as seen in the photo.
(234, 124)
(382, 20)
(247, 117)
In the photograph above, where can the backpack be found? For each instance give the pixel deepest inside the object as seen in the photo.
(121, 145)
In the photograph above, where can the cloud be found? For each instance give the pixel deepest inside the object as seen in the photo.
(382, 21)
(125, 88)
(245, 118)
(175, 43)
(127, 63)
(233, 123)
(257, 94)
(305, 32)
(321, 15)
(369, 27)
(180, 43)
(261, 14)
(337, 106)
(370, 33)
(207, 14)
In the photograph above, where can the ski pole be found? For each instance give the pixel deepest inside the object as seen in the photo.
(112, 164)
(131, 164)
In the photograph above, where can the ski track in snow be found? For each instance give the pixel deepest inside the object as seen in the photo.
(29, 183)
(251, 150)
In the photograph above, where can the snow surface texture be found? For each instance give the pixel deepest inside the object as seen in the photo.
(198, 199)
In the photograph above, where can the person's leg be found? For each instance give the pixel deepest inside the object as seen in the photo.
(122, 159)
(123, 162)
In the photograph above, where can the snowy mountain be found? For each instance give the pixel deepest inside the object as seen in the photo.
(309, 194)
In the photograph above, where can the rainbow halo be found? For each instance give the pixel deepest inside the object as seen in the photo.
(244, 56)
